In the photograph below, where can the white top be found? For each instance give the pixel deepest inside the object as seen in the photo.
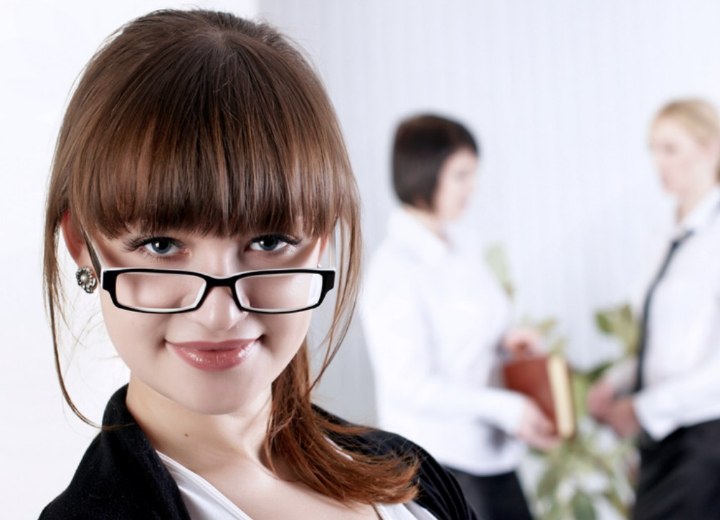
(681, 375)
(205, 502)
(433, 320)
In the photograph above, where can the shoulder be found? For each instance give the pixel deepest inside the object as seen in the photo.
(94, 491)
(394, 268)
(392, 257)
(403, 244)
(439, 492)
(119, 477)
(390, 284)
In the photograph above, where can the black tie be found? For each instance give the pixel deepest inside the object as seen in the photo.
(642, 344)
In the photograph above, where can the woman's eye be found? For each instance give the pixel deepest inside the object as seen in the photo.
(161, 246)
(272, 243)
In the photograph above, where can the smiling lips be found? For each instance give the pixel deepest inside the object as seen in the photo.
(214, 356)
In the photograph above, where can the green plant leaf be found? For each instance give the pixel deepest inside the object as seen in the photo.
(580, 388)
(497, 261)
(620, 323)
(558, 346)
(583, 507)
(602, 320)
(546, 326)
(595, 374)
(614, 500)
(549, 481)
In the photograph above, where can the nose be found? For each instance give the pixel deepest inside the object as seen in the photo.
(219, 312)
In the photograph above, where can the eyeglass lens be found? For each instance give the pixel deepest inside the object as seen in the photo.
(176, 291)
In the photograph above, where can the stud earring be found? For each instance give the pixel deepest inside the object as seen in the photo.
(86, 279)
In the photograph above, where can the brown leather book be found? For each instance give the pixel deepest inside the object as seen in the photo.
(546, 380)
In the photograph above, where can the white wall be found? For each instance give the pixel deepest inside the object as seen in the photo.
(559, 92)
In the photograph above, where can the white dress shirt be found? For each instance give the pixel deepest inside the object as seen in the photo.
(681, 369)
(205, 502)
(433, 320)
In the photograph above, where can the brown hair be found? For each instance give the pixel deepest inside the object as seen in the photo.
(422, 144)
(697, 116)
(204, 121)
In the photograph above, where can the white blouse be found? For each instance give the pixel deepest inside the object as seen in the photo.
(682, 357)
(205, 502)
(433, 319)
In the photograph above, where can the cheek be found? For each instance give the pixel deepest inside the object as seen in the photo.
(458, 194)
(132, 332)
(287, 332)
(684, 161)
(466, 188)
(670, 166)
(284, 337)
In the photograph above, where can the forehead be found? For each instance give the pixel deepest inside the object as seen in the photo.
(667, 130)
(460, 160)
(199, 232)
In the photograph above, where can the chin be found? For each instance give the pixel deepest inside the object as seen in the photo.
(667, 186)
(673, 191)
(211, 396)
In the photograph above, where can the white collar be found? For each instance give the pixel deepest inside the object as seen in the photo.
(701, 214)
(409, 231)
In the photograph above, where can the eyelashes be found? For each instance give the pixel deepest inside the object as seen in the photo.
(162, 247)
(158, 246)
(273, 243)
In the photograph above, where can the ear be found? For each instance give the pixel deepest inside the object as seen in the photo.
(74, 241)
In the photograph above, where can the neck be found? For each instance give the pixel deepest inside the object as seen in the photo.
(198, 440)
(428, 220)
(687, 202)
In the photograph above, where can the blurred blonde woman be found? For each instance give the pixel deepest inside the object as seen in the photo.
(671, 398)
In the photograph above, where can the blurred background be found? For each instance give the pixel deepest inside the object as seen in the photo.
(559, 92)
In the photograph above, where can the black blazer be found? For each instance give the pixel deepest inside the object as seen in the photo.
(121, 477)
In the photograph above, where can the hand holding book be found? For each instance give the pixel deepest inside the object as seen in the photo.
(546, 380)
(536, 429)
(522, 342)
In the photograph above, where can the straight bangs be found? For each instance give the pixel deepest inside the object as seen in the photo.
(214, 132)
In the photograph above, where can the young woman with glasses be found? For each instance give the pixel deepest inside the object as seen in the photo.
(201, 184)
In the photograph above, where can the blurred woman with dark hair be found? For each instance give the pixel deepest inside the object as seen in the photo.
(436, 324)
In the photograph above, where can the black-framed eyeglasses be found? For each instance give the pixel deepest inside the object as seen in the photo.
(169, 291)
